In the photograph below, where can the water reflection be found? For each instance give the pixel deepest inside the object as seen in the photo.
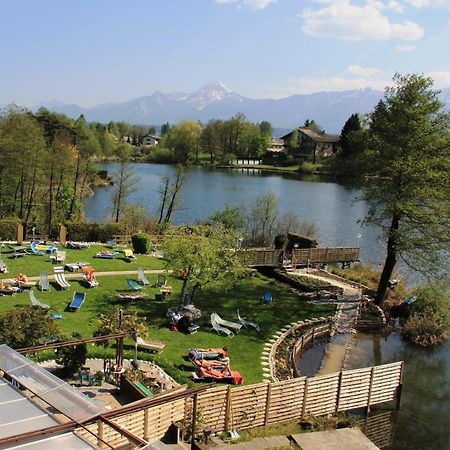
(424, 416)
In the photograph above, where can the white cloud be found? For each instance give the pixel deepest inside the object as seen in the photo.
(394, 5)
(250, 4)
(426, 3)
(343, 20)
(405, 48)
(357, 70)
(321, 84)
(441, 78)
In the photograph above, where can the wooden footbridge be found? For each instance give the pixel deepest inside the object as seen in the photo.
(299, 257)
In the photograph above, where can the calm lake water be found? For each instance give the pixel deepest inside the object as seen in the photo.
(423, 421)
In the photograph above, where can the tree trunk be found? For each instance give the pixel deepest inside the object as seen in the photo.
(184, 289)
(389, 264)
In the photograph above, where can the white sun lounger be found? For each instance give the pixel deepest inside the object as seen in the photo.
(141, 276)
(35, 301)
(226, 323)
(247, 323)
(44, 285)
(61, 281)
(218, 328)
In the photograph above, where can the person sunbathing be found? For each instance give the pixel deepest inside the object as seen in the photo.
(8, 287)
(22, 279)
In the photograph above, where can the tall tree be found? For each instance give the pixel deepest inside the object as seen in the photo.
(185, 140)
(125, 182)
(262, 219)
(351, 126)
(409, 151)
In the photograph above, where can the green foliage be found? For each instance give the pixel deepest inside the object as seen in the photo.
(26, 326)
(93, 232)
(406, 170)
(141, 243)
(161, 155)
(118, 321)
(72, 358)
(229, 218)
(8, 229)
(184, 139)
(204, 254)
(429, 316)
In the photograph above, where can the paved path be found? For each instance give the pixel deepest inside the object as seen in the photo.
(342, 439)
(102, 274)
(257, 444)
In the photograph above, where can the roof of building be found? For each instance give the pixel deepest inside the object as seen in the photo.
(151, 136)
(318, 137)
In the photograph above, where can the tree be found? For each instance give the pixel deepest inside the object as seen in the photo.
(72, 358)
(165, 129)
(169, 195)
(26, 326)
(409, 153)
(262, 219)
(265, 128)
(185, 140)
(125, 182)
(118, 321)
(351, 126)
(203, 254)
(229, 217)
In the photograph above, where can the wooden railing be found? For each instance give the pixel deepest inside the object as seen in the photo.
(223, 408)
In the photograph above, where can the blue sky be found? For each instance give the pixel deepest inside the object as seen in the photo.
(96, 51)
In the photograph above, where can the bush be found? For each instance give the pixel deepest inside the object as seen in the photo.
(428, 319)
(161, 155)
(141, 243)
(93, 232)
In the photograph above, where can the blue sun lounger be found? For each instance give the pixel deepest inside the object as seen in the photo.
(133, 285)
(77, 301)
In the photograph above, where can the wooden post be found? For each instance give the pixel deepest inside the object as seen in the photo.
(301, 346)
(227, 409)
(400, 386)
(338, 396)
(372, 372)
(100, 434)
(19, 233)
(268, 399)
(62, 234)
(305, 397)
(194, 421)
(146, 433)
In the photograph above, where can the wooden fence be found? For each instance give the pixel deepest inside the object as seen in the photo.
(302, 256)
(222, 408)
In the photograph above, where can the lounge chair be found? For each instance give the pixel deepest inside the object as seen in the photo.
(44, 285)
(226, 323)
(77, 301)
(246, 323)
(157, 346)
(267, 297)
(218, 328)
(141, 277)
(59, 258)
(133, 285)
(111, 243)
(34, 249)
(106, 254)
(161, 280)
(129, 255)
(61, 281)
(36, 302)
(20, 252)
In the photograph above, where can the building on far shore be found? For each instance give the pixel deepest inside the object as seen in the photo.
(276, 147)
(150, 140)
(313, 146)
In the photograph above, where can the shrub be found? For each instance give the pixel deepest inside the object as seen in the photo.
(93, 232)
(429, 319)
(141, 243)
(161, 155)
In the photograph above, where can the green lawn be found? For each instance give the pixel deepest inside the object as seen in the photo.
(33, 264)
(245, 348)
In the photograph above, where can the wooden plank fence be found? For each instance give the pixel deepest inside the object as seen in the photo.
(302, 256)
(223, 408)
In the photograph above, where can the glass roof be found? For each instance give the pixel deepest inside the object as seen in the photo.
(47, 386)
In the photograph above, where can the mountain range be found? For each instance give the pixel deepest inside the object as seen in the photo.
(215, 101)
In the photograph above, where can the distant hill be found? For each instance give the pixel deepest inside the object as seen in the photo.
(215, 101)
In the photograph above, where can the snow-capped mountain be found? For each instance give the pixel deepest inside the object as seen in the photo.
(215, 101)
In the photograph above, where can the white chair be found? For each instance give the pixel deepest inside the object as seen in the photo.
(219, 329)
(44, 285)
(227, 323)
(246, 323)
(141, 277)
(61, 281)
(36, 302)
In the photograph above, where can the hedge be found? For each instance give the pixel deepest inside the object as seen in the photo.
(8, 229)
(93, 232)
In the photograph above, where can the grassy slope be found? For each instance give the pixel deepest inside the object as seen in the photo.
(244, 349)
